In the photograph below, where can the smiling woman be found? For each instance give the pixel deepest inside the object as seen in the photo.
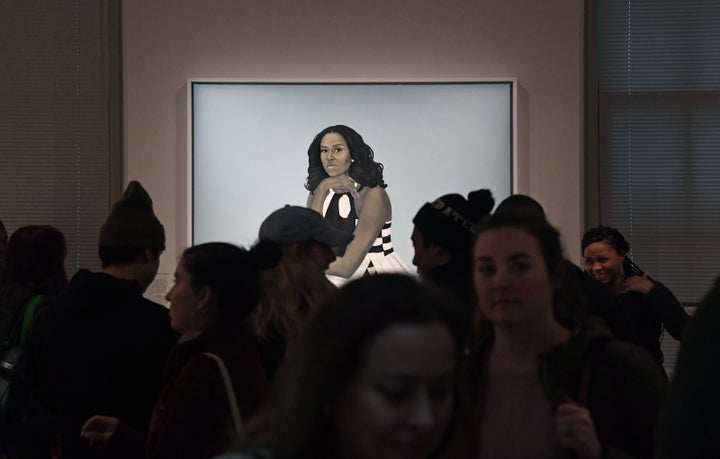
(346, 186)
(648, 305)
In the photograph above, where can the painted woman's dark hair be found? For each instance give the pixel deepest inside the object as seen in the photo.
(363, 168)
(616, 240)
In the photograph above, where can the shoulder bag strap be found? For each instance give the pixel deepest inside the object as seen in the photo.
(27, 319)
(230, 392)
(586, 375)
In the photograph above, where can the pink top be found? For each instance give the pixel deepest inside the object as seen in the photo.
(517, 419)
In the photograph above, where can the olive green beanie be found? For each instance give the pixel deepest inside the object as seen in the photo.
(132, 222)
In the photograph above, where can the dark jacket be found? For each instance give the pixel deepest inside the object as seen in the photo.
(624, 391)
(456, 279)
(689, 422)
(10, 309)
(192, 417)
(102, 349)
(649, 313)
(599, 301)
(34, 432)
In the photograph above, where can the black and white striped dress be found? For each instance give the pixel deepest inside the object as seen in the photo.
(339, 210)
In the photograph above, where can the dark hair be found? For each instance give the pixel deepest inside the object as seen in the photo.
(363, 169)
(330, 350)
(114, 255)
(453, 231)
(3, 233)
(231, 272)
(547, 236)
(565, 299)
(3, 246)
(35, 259)
(616, 240)
(521, 203)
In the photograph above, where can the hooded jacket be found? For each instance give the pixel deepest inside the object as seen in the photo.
(102, 350)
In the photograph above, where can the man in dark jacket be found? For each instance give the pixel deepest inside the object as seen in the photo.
(442, 238)
(102, 344)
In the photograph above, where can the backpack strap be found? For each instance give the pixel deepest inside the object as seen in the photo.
(230, 392)
(28, 318)
(21, 330)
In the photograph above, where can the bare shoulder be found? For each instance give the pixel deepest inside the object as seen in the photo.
(374, 195)
(375, 200)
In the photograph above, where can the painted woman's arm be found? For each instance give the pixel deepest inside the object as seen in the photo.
(374, 210)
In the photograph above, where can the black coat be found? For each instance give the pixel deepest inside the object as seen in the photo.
(648, 314)
(689, 422)
(101, 350)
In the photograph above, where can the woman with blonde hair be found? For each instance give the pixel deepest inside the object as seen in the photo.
(297, 285)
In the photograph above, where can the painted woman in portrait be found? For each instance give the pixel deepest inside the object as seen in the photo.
(346, 186)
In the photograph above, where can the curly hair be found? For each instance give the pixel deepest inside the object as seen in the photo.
(614, 239)
(606, 234)
(363, 168)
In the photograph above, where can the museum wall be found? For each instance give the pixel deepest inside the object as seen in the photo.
(165, 42)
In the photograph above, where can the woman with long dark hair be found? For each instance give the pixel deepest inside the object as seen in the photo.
(346, 186)
(34, 273)
(35, 265)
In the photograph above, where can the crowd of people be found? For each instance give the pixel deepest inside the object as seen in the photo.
(499, 347)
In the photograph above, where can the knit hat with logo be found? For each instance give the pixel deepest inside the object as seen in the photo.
(451, 220)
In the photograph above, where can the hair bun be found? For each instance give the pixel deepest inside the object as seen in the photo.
(481, 201)
(265, 254)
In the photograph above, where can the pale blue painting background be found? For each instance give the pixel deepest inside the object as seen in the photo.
(250, 141)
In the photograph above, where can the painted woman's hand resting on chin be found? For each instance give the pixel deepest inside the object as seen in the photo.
(341, 184)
